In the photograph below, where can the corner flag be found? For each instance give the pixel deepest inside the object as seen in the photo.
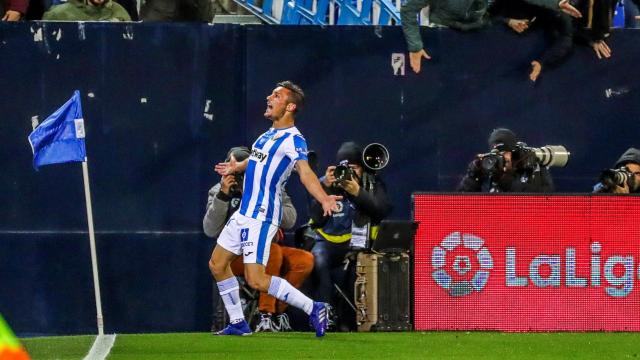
(60, 137)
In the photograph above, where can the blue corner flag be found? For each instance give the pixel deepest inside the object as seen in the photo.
(60, 137)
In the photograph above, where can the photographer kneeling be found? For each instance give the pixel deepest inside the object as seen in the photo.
(624, 178)
(354, 225)
(512, 166)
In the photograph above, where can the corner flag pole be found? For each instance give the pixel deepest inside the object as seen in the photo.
(92, 243)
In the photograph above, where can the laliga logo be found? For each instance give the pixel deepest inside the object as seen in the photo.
(461, 283)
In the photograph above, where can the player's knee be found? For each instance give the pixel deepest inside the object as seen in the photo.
(216, 267)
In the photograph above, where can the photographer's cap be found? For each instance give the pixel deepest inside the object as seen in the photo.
(351, 152)
(502, 139)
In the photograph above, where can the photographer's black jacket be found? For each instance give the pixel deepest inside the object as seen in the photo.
(536, 181)
(368, 206)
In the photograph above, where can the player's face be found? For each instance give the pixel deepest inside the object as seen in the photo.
(276, 103)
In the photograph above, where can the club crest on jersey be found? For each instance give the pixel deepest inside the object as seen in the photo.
(259, 155)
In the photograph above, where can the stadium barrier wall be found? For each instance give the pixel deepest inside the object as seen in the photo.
(164, 102)
(527, 263)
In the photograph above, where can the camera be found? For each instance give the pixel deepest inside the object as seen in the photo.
(343, 172)
(492, 161)
(611, 178)
(548, 156)
(237, 188)
(526, 158)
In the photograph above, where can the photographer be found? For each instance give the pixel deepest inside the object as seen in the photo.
(624, 178)
(363, 206)
(292, 264)
(508, 167)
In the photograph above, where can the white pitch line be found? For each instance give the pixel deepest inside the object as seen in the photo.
(101, 347)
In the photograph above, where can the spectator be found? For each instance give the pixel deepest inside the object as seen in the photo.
(520, 16)
(624, 178)
(595, 26)
(87, 10)
(292, 264)
(504, 170)
(178, 10)
(457, 14)
(363, 206)
(13, 10)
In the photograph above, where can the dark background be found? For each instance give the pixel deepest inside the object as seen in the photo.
(152, 148)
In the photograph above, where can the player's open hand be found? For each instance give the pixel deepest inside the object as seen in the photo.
(330, 205)
(226, 168)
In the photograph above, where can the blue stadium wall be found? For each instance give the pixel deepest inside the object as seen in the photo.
(163, 103)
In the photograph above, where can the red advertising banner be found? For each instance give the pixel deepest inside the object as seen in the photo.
(527, 262)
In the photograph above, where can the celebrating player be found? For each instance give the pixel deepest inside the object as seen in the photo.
(250, 229)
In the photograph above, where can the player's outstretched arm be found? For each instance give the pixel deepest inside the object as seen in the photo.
(312, 184)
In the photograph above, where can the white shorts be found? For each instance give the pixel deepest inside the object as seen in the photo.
(248, 237)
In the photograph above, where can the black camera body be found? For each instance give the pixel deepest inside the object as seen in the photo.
(343, 172)
(611, 178)
(237, 188)
(526, 158)
(492, 162)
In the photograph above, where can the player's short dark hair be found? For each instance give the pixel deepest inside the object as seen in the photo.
(296, 95)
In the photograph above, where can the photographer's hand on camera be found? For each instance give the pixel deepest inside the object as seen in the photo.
(329, 179)
(227, 182)
(475, 167)
(621, 189)
(352, 187)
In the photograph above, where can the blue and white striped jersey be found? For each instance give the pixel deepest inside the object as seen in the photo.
(272, 159)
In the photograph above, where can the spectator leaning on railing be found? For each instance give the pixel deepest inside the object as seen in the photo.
(520, 16)
(457, 14)
(596, 25)
(87, 10)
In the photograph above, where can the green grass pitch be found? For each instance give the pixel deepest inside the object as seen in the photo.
(407, 345)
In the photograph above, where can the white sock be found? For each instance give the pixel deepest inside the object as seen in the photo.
(283, 291)
(230, 293)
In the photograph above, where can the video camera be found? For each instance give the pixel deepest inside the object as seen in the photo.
(525, 158)
(611, 178)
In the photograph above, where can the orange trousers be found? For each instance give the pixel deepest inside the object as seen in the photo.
(291, 264)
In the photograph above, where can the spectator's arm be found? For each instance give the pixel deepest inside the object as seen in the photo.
(561, 5)
(218, 204)
(289, 213)
(562, 43)
(409, 16)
